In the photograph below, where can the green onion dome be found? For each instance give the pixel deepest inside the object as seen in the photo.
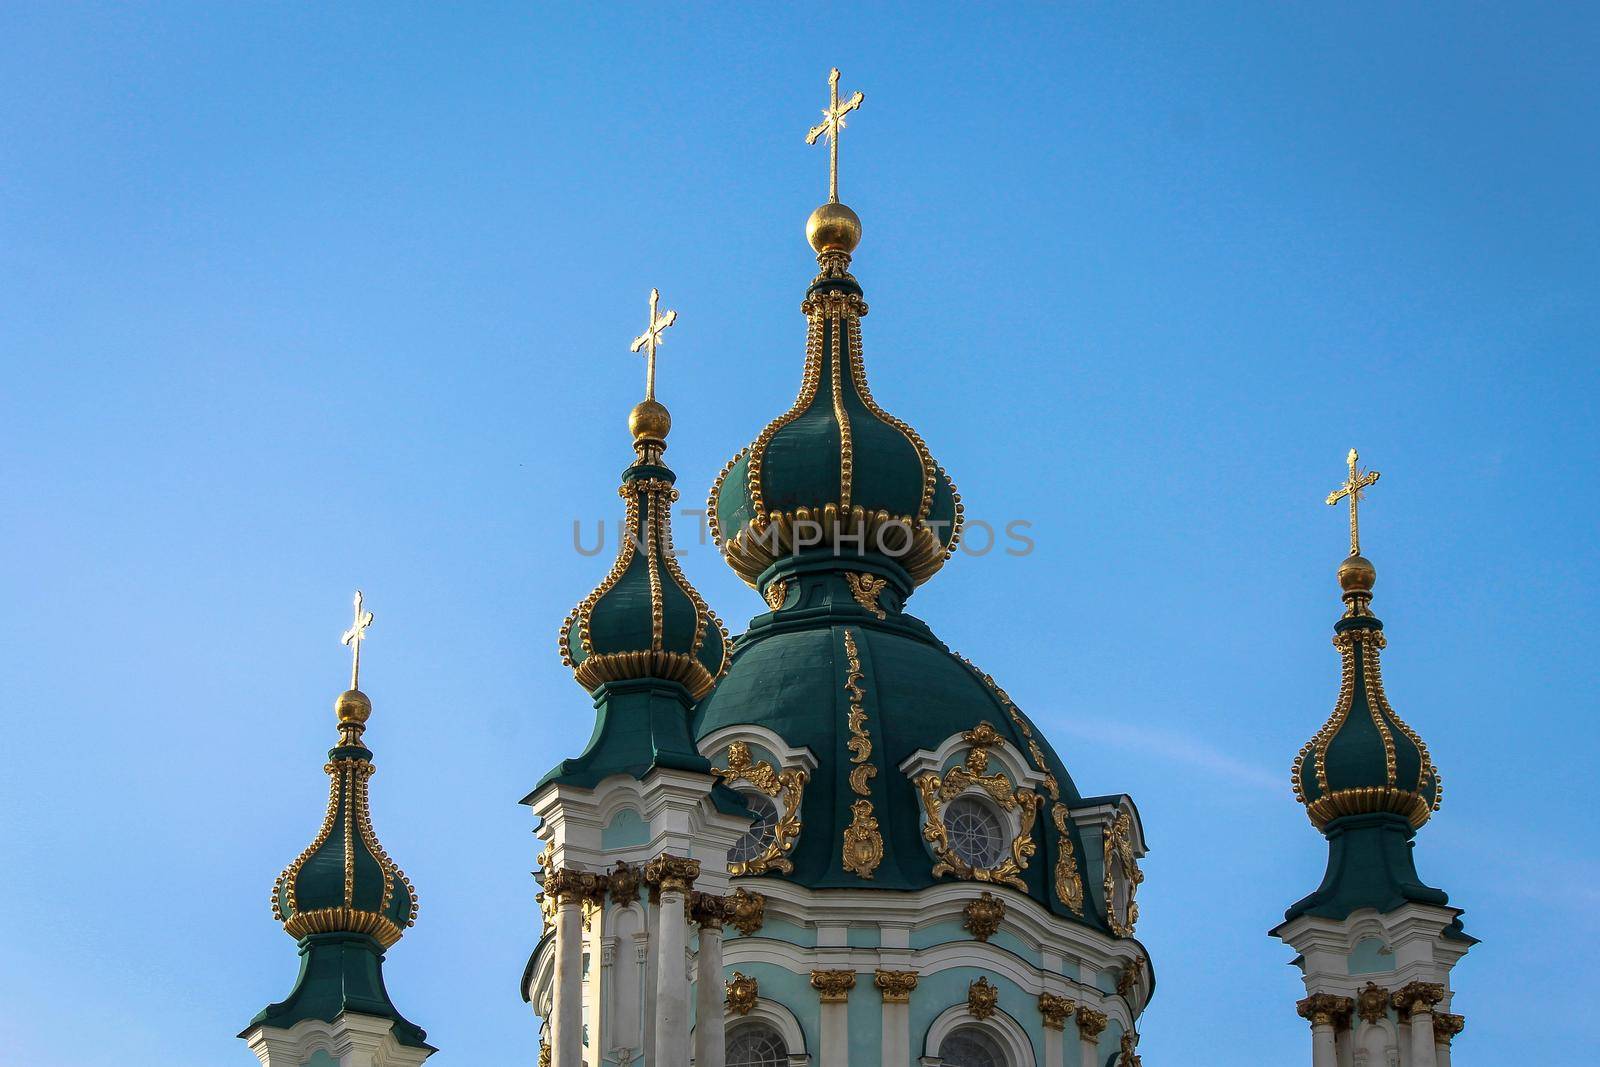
(645, 620)
(344, 882)
(836, 470)
(1365, 759)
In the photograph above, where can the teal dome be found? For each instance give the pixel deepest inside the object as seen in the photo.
(835, 470)
(825, 673)
(1365, 759)
(645, 620)
(344, 882)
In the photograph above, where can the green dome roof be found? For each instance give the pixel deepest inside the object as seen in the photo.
(835, 459)
(825, 673)
(645, 620)
(1365, 759)
(344, 881)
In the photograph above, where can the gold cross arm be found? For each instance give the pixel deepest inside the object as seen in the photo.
(832, 122)
(353, 637)
(650, 339)
(1353, 490)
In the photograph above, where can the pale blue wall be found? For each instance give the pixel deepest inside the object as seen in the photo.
(321, 1058)
(625, 830)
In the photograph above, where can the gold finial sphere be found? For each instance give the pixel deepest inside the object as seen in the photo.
(649, 421)
(834, 228)
(353, 708)
(1357, 575)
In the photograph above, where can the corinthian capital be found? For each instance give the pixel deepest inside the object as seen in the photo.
(1325, 1009)
(672, 874)
(834, 986)
(1091, 1023)
(1415, 997)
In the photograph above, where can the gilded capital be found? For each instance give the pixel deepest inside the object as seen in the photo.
(1056, 1010)
(742, 994)
(896, 986)
(708, 910)
(834, 986)
(1415, 997)
(1091, 1023)
(984, 915)
(982, 998)
(746, 911)
(1447, 1026)
(570, 886)
(672, 874)
(1325, 1009)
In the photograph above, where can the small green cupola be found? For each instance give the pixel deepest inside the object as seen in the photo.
(644, 643)
(1366, 778)
(836, 472)
(343, 899)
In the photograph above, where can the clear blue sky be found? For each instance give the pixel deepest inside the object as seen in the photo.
(294, 299)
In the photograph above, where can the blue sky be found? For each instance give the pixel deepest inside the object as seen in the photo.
(295, 299)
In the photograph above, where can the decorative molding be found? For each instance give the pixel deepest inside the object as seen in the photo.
(983, 915)
(776, 593)
(982, 998)
(707, 910)
(745, 911)
(896, 986)
(834, 986)
(934, 791)
(1128, 976)
(1126, 1056)
(1372, 1003)
(622, 884)
(1056, 1010)
(787, 785)
(1447, 1026)
(1091, 1023)
(866, 589)
(1121, 863)
(863, 844)
(671, 874)
(570, 886)
(742, 994)
(1069, 883)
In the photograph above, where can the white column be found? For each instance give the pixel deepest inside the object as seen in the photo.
(710, 1034)
(566, 1022)
(652, 928)
(834, 986)
(1323, 1053)
(896, 987)
(1423, 1049)
(1091, 1024)
(673, 876)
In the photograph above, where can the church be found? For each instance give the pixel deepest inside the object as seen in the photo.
(831, 839)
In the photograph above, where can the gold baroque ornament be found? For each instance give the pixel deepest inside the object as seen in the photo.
(776, 593)
(1056, 1010)
(789, 785)
(1447, 1026)
(1129, 1058)
(982, 999)
(1091, 1023)
(672, 874)
(742, 994)
(544, 1054)
(1372, 1003)
(896, 986)
(1415, 998)
(1122, 870)
(866, 589)
(860, 743)
(1069, 883)
(863, 844)
(746, 911)
(1325, 1009)
(935, 791)
(834, 986)
(984, 915)
(623, 884)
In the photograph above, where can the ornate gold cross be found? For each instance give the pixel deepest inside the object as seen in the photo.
(353, 637)
(1354, 489)
(650, 339)
(832, 122)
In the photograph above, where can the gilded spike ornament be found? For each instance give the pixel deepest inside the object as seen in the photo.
(830, 126)
(1353, 490)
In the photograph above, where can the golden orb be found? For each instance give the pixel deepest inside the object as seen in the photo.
(1357, 575)
(833, 228)
(649, 420)
(353, 708)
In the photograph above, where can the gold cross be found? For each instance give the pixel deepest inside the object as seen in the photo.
(1354, 488)
(648, 341)
(353, 637)
(832, 122)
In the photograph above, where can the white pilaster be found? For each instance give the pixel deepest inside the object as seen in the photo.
(834, 987)
(1091, 1024)
(566, 1026)
(1054, 1048)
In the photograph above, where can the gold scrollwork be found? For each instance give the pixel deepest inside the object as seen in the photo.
(1069, 883)
(1121, 863)
(789, 785)
(863, 844)
(936, 791)
(982, 998)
